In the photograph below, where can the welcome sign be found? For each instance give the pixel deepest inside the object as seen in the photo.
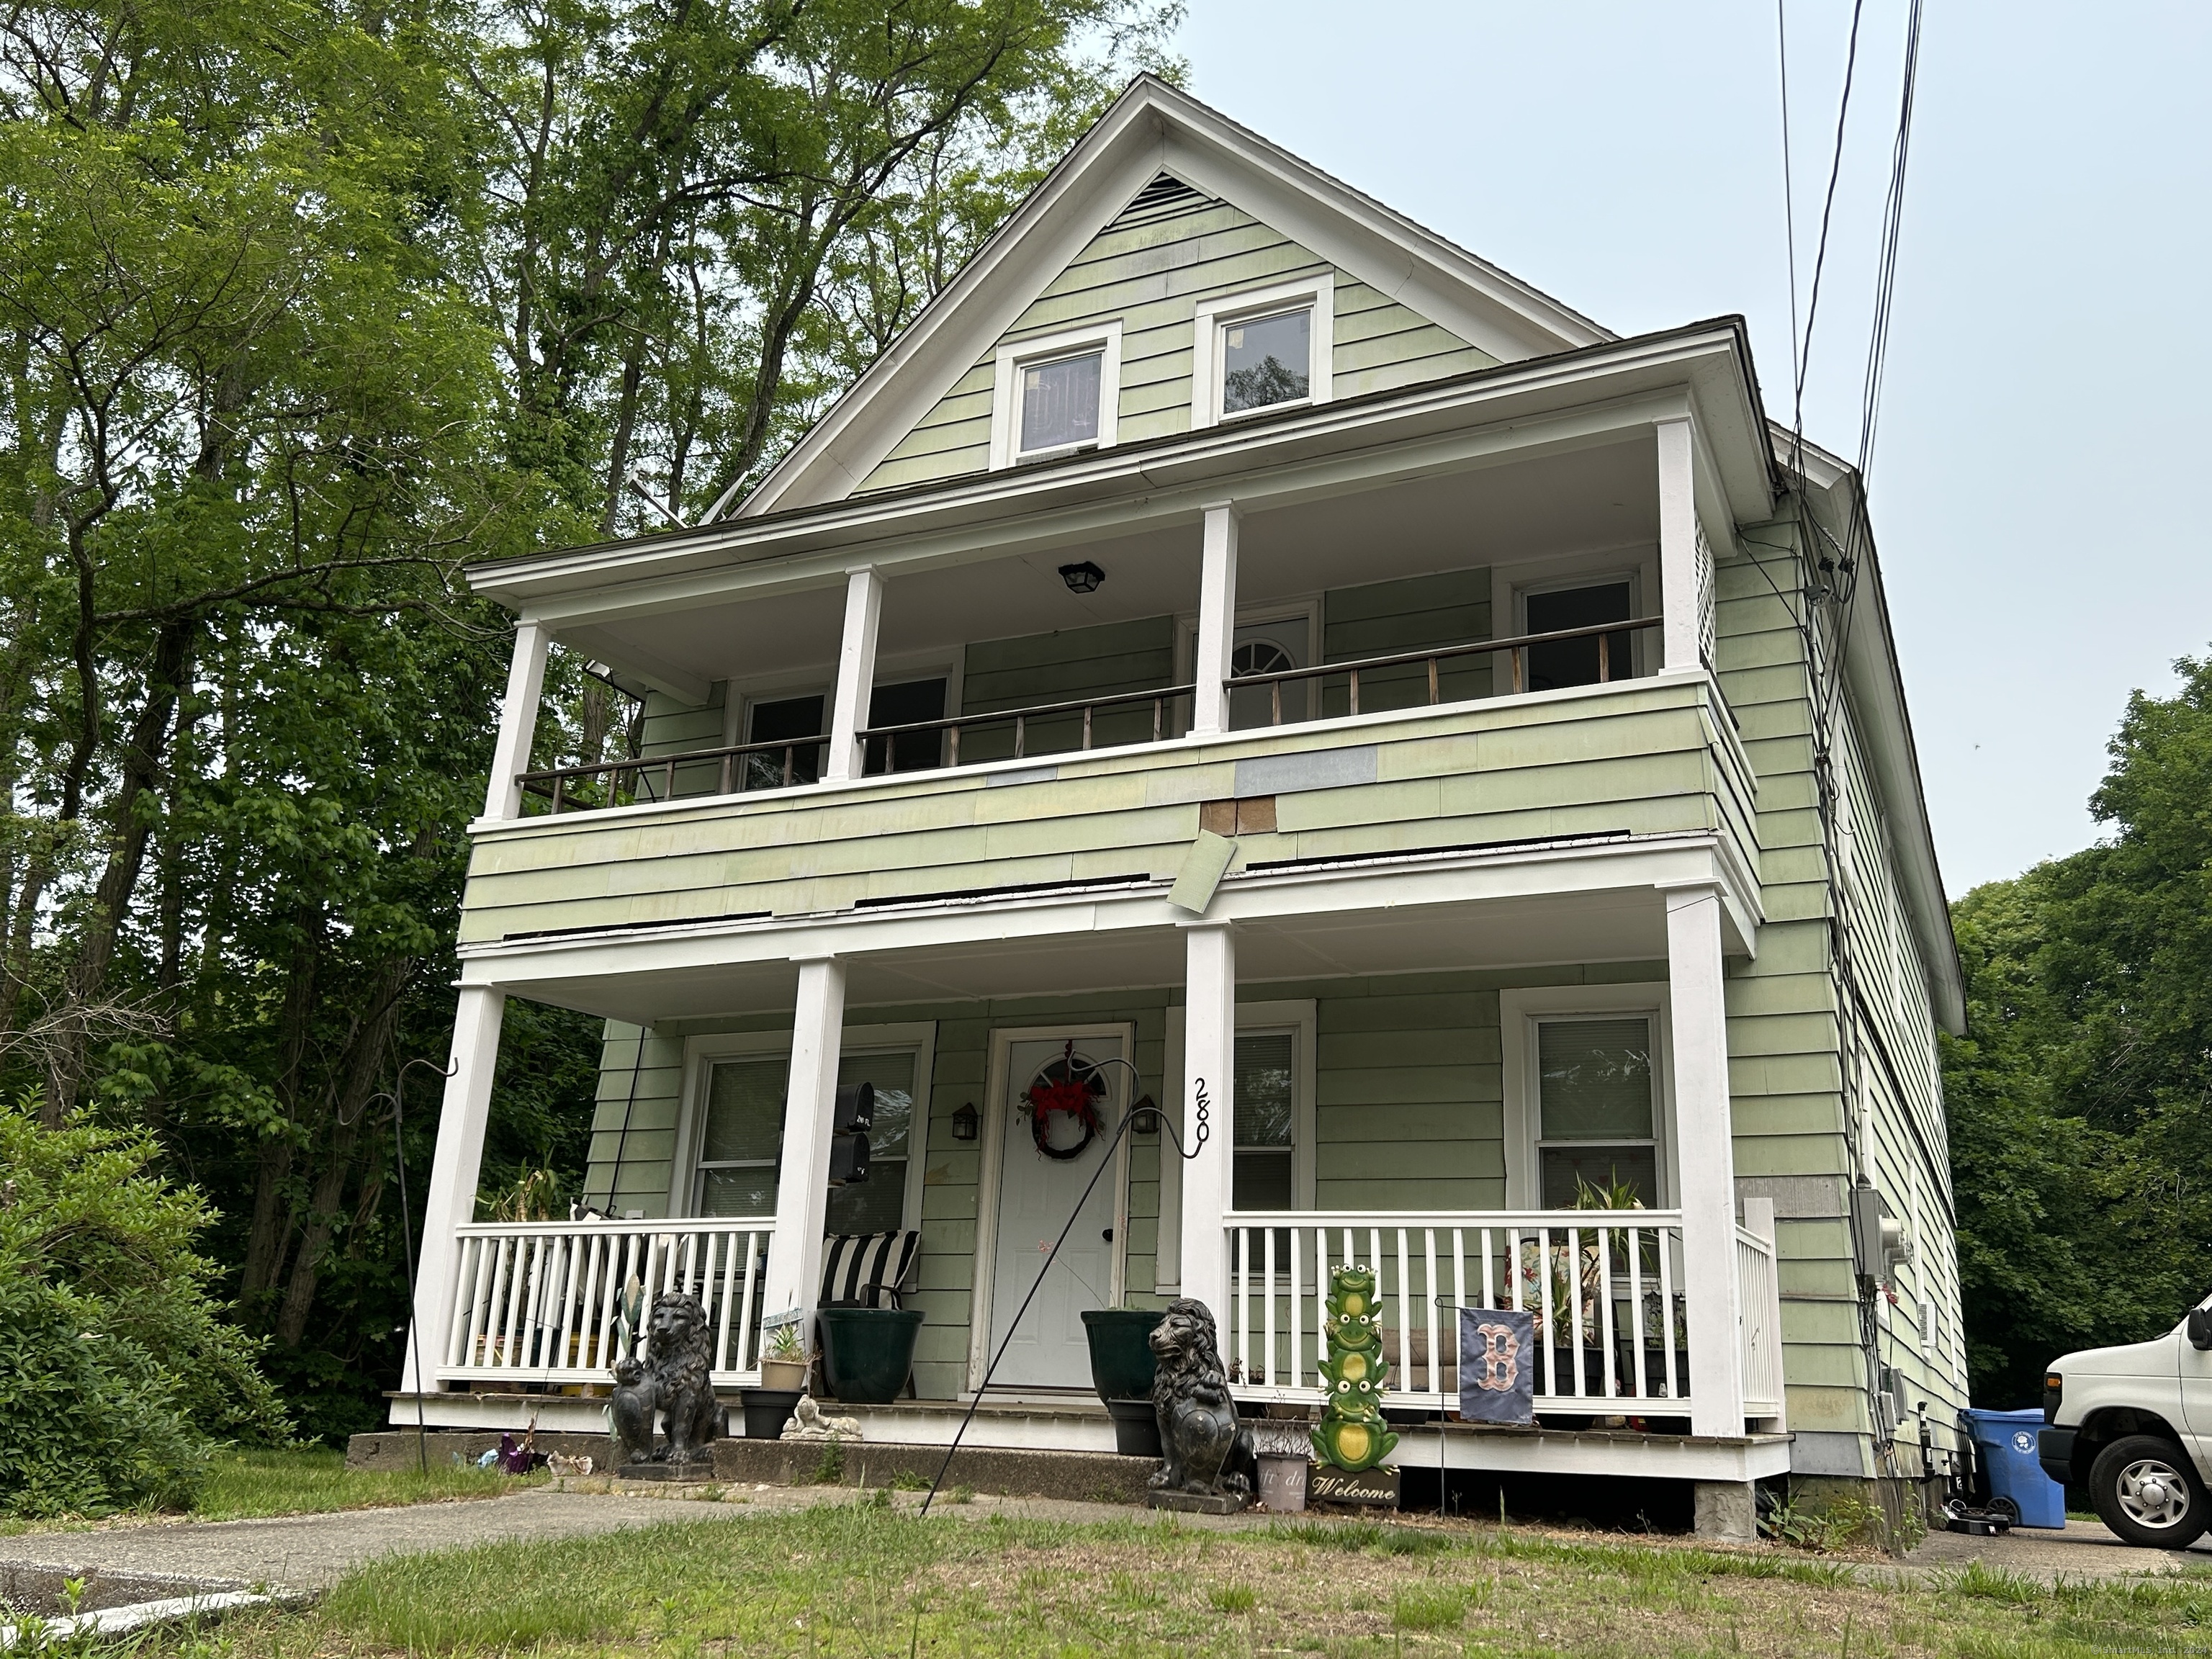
(1497, 1365)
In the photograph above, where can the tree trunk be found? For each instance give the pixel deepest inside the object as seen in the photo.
(363, 1064)
(269, 1236)
(70, 1054)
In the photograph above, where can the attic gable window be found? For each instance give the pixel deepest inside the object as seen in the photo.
(1266, 360)
(1056, 395)
(1270, 349)
(1060, 402)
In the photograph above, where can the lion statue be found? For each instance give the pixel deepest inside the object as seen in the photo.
(1204, 1451)
(672, 1385)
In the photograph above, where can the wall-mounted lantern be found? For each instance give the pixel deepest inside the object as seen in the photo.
(963, 1124)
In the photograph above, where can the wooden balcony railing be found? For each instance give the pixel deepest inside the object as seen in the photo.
(733, 772)
(1159, 698)
(1516, 647)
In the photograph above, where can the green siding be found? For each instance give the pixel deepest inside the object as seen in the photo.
(1641, 757)
(1060, 667)
(1149, 270)
(1420, 613)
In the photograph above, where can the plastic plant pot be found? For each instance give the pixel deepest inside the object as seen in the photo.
(767, 1409)
(1136, 1428)
(1121, 1357)
(867, 1353)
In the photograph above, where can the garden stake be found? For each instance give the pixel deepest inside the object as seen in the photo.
(1202, 1132)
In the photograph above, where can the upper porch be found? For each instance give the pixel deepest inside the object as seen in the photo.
(1478, 614)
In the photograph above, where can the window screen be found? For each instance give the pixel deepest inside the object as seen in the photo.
(1266, 360)
(1266, 1108)
(741, 1140)
(1060, 402)
(1596, 1109)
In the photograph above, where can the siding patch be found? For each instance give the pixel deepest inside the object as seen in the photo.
(1797, 1198)
(1027, 774)
(1286, 774)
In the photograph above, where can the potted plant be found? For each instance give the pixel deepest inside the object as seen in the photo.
(1121, 1371)
(783, 1361)
(783, 1380)
(867, 1353)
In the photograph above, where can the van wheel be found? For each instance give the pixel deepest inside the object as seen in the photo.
(2146, 1490)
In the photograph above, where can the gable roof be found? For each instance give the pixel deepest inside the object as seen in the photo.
(1153, 128)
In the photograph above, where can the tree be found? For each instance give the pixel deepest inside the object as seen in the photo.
(2081, 1098)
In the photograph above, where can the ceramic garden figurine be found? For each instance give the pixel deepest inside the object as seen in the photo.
(1352, 1435)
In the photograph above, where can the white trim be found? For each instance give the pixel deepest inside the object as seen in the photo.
(991, 1171)
(1216, 312)
(1006, 403)
(518, 720)
(1518, 1011)
(916, 1036)
(1300, 1015)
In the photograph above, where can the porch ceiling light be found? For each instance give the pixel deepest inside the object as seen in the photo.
(1082, 578)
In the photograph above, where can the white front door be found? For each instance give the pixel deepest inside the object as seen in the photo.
(1038, 1187)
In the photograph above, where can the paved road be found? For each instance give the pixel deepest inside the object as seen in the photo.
(307, 1552)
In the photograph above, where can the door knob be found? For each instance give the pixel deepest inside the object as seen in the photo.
(1107, 1235)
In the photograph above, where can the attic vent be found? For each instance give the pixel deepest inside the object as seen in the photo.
(1166, 191)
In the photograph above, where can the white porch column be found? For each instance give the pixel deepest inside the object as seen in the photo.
(1209, 1070)
(856, 673)
(1216, 619)
(802, 1191)
(1680, 581)
(452, 1196)
(1705, 1158)
(518, 720)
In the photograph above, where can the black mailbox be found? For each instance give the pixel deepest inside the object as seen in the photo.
(854, 1117)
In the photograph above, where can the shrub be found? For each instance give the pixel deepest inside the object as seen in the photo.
(118, 1373)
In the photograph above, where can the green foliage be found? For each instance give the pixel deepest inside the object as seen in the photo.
(117, 1370)
(2078, 1099)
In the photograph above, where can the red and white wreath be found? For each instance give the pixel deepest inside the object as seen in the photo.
(1077, 1097)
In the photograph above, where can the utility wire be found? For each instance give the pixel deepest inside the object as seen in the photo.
(1820, 253)
(1789, 186)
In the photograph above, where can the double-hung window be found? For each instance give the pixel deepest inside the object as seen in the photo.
(737, 1143)
(1056, 395)
(1597, 1105)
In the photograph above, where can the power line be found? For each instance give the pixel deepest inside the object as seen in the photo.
(1827, 211)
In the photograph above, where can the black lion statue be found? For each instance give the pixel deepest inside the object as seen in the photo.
(672, 1385)
(1204, 1450)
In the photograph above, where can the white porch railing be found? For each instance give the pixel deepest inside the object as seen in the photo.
(1759, 1284)
(537, 1301)
(1605, 1286)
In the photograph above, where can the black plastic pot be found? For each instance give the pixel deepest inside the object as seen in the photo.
(767, 1409)
(1121, 1359)
(1136, 1428)
(867, 1353)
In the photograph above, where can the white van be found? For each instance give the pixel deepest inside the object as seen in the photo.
(2134, 1426)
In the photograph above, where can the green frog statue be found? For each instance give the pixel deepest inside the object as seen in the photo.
(1352, 1436)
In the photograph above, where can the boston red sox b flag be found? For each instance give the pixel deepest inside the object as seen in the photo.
(1497, 1365)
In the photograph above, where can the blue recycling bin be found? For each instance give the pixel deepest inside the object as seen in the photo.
(2004, 1442)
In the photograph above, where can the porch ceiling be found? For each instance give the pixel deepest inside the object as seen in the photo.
(1530, 508)
(1098, 952)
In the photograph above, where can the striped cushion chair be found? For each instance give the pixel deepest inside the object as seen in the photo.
(868, 1270)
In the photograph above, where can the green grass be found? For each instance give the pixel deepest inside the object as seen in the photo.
(850, 1578)
(308, 1481)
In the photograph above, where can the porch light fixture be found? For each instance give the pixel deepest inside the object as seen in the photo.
(1082, 578)
(963, 1124)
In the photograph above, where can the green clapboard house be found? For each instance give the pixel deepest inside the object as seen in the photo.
(1240, 655)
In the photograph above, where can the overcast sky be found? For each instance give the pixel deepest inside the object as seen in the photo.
(2048, 388)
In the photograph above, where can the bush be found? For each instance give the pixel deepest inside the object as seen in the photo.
(117, 1372)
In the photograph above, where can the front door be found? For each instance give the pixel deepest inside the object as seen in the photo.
(1039, 1185)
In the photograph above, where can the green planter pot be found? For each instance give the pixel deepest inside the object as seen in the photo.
(867, 1353)
(1121, 1359)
